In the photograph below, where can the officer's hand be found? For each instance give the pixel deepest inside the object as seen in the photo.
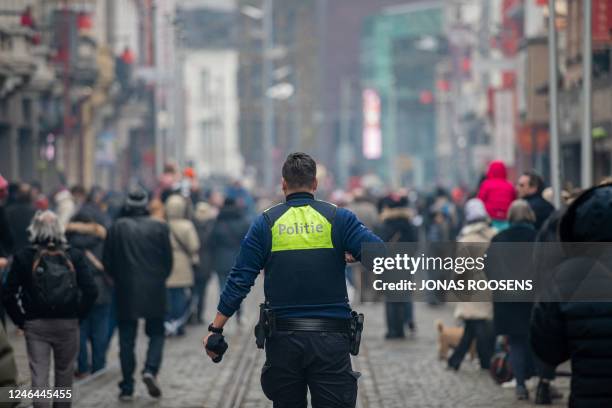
(205, 343)
(348, 258)
(3, 262)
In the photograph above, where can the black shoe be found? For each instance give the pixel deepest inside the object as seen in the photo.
(152, 385)
(125, 396)
(543, 394)
(521, 393)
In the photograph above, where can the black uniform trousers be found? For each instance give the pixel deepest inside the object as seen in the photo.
(317, 361)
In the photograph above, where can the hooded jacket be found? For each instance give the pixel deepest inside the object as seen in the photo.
(185, 243)
(580, 331)
(496, 192)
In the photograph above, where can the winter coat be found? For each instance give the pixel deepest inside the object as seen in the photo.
(6, 236)
(185, 243)
(496, 192)
(204, 230)
(90, 240)
(138, 256)
(482, 233)
(230, 228)
(19, 216)
(396, 226)
(19, 288)
(365, 212)
(510, 318)
(580, 331)
(541, 208)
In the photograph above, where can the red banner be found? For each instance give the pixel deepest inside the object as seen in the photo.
(602, 20)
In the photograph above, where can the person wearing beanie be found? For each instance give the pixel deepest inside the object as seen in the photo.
(476, 316)
(579, 331)
(138, 256)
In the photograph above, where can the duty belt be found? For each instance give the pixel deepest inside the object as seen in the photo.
(314, 325)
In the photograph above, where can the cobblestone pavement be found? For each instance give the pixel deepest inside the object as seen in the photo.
(395, 374)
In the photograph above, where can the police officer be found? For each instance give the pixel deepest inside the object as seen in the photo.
(301, 245)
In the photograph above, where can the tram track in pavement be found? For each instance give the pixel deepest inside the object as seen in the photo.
(369, 394)
(245, 362)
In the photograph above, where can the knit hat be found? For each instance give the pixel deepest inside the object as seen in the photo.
(475, 210)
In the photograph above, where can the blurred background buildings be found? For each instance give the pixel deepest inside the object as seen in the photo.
(396, 92)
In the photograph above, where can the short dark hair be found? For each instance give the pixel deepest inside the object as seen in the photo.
(535, 180)
(299, 170)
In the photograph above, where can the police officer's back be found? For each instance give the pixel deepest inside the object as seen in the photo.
(301, 245)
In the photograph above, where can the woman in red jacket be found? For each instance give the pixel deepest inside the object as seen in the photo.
(497, 193)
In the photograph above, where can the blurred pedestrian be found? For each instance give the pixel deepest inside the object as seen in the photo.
(79, 195)
(497, 193)
(138, 256)
(529, 187)
(230, 228)
(580, 331)
(204, 221)
(512, 319)
(476, 316)
(396, 226)
(19, 214)
(65, 206)
(84, 233)
(157, 210)
(185, 247)
(48, 288)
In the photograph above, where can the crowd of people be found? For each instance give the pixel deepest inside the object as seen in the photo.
(81, 264)
(537, 336)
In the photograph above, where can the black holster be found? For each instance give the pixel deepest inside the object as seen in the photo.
(356, 329)
(265, 325)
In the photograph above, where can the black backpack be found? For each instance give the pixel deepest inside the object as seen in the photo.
(54, 279)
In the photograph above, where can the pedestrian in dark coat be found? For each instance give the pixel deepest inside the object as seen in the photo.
(19, 214)
(230, 228)
(512, 319)
(84, 233)
(396, 226)
(580, 331)
(530, 187)
(138, 256)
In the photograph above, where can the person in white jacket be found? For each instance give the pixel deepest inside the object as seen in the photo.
(477, 316)
(185, 248)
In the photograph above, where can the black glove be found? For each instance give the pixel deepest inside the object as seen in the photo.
(217, 344)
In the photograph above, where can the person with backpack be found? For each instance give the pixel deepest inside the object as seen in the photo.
(48, 288)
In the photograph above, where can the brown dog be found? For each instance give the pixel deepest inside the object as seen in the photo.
(448, 338)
